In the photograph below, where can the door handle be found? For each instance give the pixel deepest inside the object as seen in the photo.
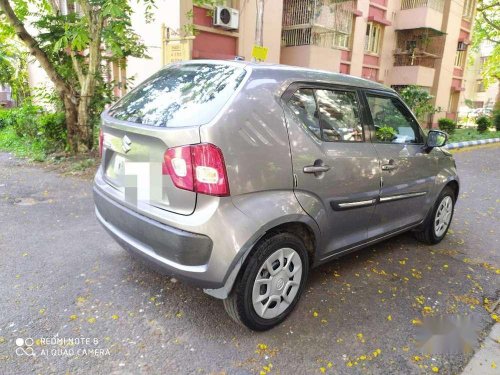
(389, 167)
(316, 168)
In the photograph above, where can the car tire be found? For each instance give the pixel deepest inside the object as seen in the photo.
(437, 224)
(269, 286)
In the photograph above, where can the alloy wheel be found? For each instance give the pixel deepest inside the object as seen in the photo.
(443, 216)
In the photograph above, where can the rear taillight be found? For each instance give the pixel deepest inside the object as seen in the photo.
(199, 168)
(101, 141)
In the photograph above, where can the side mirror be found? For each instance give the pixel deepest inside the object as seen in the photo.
(436, 138)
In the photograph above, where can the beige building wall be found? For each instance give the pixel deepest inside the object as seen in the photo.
(273, 9)
(167, 12)
(486, 96)
(312, 57)
(358, 39)
(388, 42)
(445, 68)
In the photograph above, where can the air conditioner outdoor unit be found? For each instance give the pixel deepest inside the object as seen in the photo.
(227, 18)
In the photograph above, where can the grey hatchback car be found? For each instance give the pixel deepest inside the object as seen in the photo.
(240, 177)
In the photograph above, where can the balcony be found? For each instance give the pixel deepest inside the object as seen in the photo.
(416, 14)
(411, 75)
(311, 56)
(320, 23)
(415, 57)
(419, 47)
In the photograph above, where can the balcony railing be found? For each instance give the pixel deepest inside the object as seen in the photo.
(433, 4)
(323, 23)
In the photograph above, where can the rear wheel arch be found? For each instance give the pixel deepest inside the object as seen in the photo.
(297, 228)
(240, 301)
(300, 229)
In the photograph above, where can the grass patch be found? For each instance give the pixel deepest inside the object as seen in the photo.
(471, 134)
(83, 165)
(21, 146)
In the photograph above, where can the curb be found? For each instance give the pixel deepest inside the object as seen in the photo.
(451, 146)
(483, 361)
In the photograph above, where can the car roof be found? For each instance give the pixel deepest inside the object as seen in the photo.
(294, 73)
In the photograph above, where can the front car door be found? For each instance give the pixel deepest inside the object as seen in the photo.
(407, 170)
(336, 170)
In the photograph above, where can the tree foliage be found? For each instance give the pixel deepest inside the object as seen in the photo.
(487, 31)
(13, 64)
(419, 100)
(71, 49)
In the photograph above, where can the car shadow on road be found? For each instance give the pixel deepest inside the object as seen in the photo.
(369, 279)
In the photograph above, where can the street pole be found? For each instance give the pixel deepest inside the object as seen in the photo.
(259, 24)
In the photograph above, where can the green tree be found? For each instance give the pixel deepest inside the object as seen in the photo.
(419, 100)
(70, 49)
(487, 30)
(13, 68)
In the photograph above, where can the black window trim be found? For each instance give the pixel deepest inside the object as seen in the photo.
(368, 114)
(295, 86)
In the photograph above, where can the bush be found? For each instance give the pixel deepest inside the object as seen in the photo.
(483, 123)
(496, 120)
(31, 125)
(447, 125)
(52, 129)
(24, 120)
(7, 118)
(386, 133)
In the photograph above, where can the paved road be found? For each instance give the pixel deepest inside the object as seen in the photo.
(61, 275)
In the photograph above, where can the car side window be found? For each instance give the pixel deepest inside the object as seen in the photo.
(393, 122)
(339, 116)
(303, 105)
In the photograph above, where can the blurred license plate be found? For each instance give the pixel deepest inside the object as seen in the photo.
(119, 165)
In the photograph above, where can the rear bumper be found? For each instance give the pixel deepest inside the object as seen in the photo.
(170, 250)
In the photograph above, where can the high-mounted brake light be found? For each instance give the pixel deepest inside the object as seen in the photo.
(199, 168)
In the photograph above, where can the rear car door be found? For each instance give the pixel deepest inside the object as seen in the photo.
(336, 171)
(407, 170)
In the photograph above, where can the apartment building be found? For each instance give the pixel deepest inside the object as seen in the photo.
(480, 94)
(395, 42)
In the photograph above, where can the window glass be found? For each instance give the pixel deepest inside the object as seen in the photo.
(303, 105)
(372, 37)
(393, 123)
(180, 95)
(339, 116)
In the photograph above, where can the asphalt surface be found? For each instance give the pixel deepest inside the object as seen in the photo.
(62, 276)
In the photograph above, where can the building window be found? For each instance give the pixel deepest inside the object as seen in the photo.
(461, 55)
(468, 9)
(480, 86)
(373, 37)
(460, 59)
(323, 23)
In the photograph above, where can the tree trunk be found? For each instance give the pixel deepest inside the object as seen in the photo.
(84, 127)
(66, 92)
(71, 115)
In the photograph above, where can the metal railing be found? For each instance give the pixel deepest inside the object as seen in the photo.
(324, 23)
(433, 4)
(414, 60)
(418, 47)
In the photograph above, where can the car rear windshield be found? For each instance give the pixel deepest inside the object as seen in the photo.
(180, 95)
